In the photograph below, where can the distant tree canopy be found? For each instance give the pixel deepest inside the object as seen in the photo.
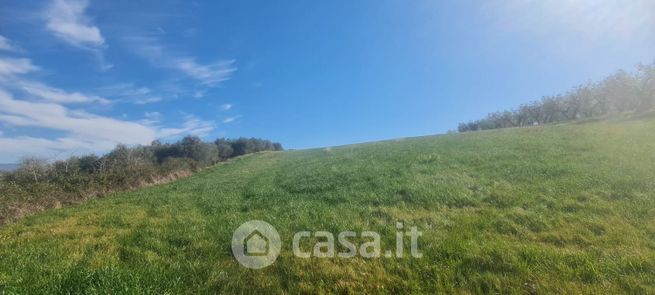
(207, 153)
(620, 92)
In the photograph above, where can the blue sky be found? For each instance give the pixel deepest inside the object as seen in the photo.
(80, 76)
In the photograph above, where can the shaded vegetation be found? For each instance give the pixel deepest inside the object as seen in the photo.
(557, 209)
(38, 184)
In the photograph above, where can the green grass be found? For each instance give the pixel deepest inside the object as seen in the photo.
(556, 209)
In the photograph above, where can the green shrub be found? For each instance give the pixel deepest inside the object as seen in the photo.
(39, 184)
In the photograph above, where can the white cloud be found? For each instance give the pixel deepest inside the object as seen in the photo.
(51, 94)
(83, 132)
(129, 93)
(152, 117)
(192, 125)
(210, 74)
(7, 45)
(66, 19)
(10, 67)
(14, 148)
(230, 119)
(79, 124)
(73, 131)
(132, 91)
(226, 106)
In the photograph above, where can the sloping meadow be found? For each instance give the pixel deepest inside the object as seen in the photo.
(552, 209)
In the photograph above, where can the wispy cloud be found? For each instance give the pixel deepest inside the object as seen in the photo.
(67, 20)
(12, 70)
(129, 93)
(230, 119)
(7, 45)
(226, 106)
(13, 148)
(10, 67)
(192, 125)
(27, 103)
(51, 94)
(148, 100)
(207, 74)
(154, 116)
(83, 132)
(79, 124)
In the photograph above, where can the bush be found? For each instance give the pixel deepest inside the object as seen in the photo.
(38, 184)
(621, 92)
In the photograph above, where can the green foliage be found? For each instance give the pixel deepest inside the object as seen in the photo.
(39, 185)
(224, 146)
(618, 93)
(558, 209)
(244, 146)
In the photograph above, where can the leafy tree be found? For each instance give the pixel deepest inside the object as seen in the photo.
(620, 92)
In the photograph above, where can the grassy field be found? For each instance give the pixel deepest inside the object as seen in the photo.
(556, 209)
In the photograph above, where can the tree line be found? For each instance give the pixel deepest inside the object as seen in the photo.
(39, 184)
(618, 93)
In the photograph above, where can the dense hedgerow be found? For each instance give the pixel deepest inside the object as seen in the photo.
(39, 184)
(618, 93)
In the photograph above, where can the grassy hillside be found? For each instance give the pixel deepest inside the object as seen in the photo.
(564, 208)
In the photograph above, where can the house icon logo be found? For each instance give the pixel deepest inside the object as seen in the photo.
(256, 244)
